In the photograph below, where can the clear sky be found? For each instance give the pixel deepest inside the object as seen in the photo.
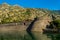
(49, 4)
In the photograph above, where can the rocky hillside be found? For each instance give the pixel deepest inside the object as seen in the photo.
(25, 16)
(15, 13)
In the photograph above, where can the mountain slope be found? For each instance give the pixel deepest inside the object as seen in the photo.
(25, 16)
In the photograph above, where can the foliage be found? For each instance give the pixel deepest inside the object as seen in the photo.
(10, 14)
(57, 23)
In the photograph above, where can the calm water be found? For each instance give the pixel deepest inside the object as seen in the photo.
(28, 36)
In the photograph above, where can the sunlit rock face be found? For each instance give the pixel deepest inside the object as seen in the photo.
(43, 20)
(41, 23)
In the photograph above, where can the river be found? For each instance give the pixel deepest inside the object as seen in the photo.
(23, 35)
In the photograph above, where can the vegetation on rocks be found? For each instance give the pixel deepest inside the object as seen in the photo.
(57, 23)
(15, 13)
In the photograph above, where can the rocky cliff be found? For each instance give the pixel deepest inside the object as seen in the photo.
(18, 18)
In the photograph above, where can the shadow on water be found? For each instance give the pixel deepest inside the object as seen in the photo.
(31, 35)
(53, 36)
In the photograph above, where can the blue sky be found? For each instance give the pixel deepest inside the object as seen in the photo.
(49, 4)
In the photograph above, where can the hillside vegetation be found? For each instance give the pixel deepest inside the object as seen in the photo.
(9, 13)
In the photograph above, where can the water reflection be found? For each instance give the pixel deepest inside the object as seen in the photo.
(53, 36)
(28, 36)
(31, 35)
